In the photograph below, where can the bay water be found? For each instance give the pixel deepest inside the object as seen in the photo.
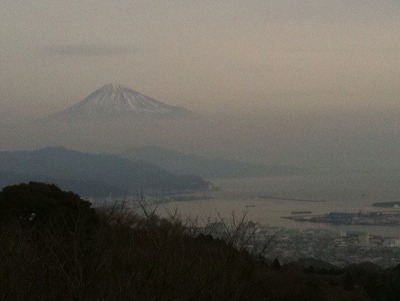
(267, 199)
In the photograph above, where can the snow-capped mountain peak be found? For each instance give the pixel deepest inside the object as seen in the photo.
(115, 101)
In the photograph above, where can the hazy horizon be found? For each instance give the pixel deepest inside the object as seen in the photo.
(318, 141)
(309, 83)
(225, 56)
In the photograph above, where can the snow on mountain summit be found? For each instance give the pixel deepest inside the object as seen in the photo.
(114, 101)
(111, 98)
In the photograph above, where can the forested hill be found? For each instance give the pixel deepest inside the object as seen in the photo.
(50, 238)
(84, 172)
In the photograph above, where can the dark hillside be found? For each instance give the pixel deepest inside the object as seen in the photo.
(123, 255)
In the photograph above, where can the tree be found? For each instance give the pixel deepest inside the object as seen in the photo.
(40, 203)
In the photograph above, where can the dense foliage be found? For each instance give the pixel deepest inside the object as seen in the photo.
(40, 202)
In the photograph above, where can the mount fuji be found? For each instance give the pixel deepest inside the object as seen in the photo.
(112, 102)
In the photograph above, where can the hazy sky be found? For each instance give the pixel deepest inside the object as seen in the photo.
(228, 56)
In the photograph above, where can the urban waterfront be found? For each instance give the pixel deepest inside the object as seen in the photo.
(334, 202)
(339, 244)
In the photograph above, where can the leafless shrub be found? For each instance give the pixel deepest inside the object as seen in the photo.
(128, 255)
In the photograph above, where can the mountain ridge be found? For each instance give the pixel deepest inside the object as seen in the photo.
(113, 101)
(62, 165)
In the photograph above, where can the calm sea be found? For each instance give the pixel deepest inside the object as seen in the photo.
(340, 192)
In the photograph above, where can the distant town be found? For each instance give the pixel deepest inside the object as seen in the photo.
(329, 248)
(374, 218)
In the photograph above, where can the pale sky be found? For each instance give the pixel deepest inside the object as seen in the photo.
(227, 56)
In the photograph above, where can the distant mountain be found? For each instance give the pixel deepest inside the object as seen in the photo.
(83, 188)
(180, 163)
(112, 102)
(70, 169)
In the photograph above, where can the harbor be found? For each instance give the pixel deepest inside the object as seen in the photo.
(374, 218)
